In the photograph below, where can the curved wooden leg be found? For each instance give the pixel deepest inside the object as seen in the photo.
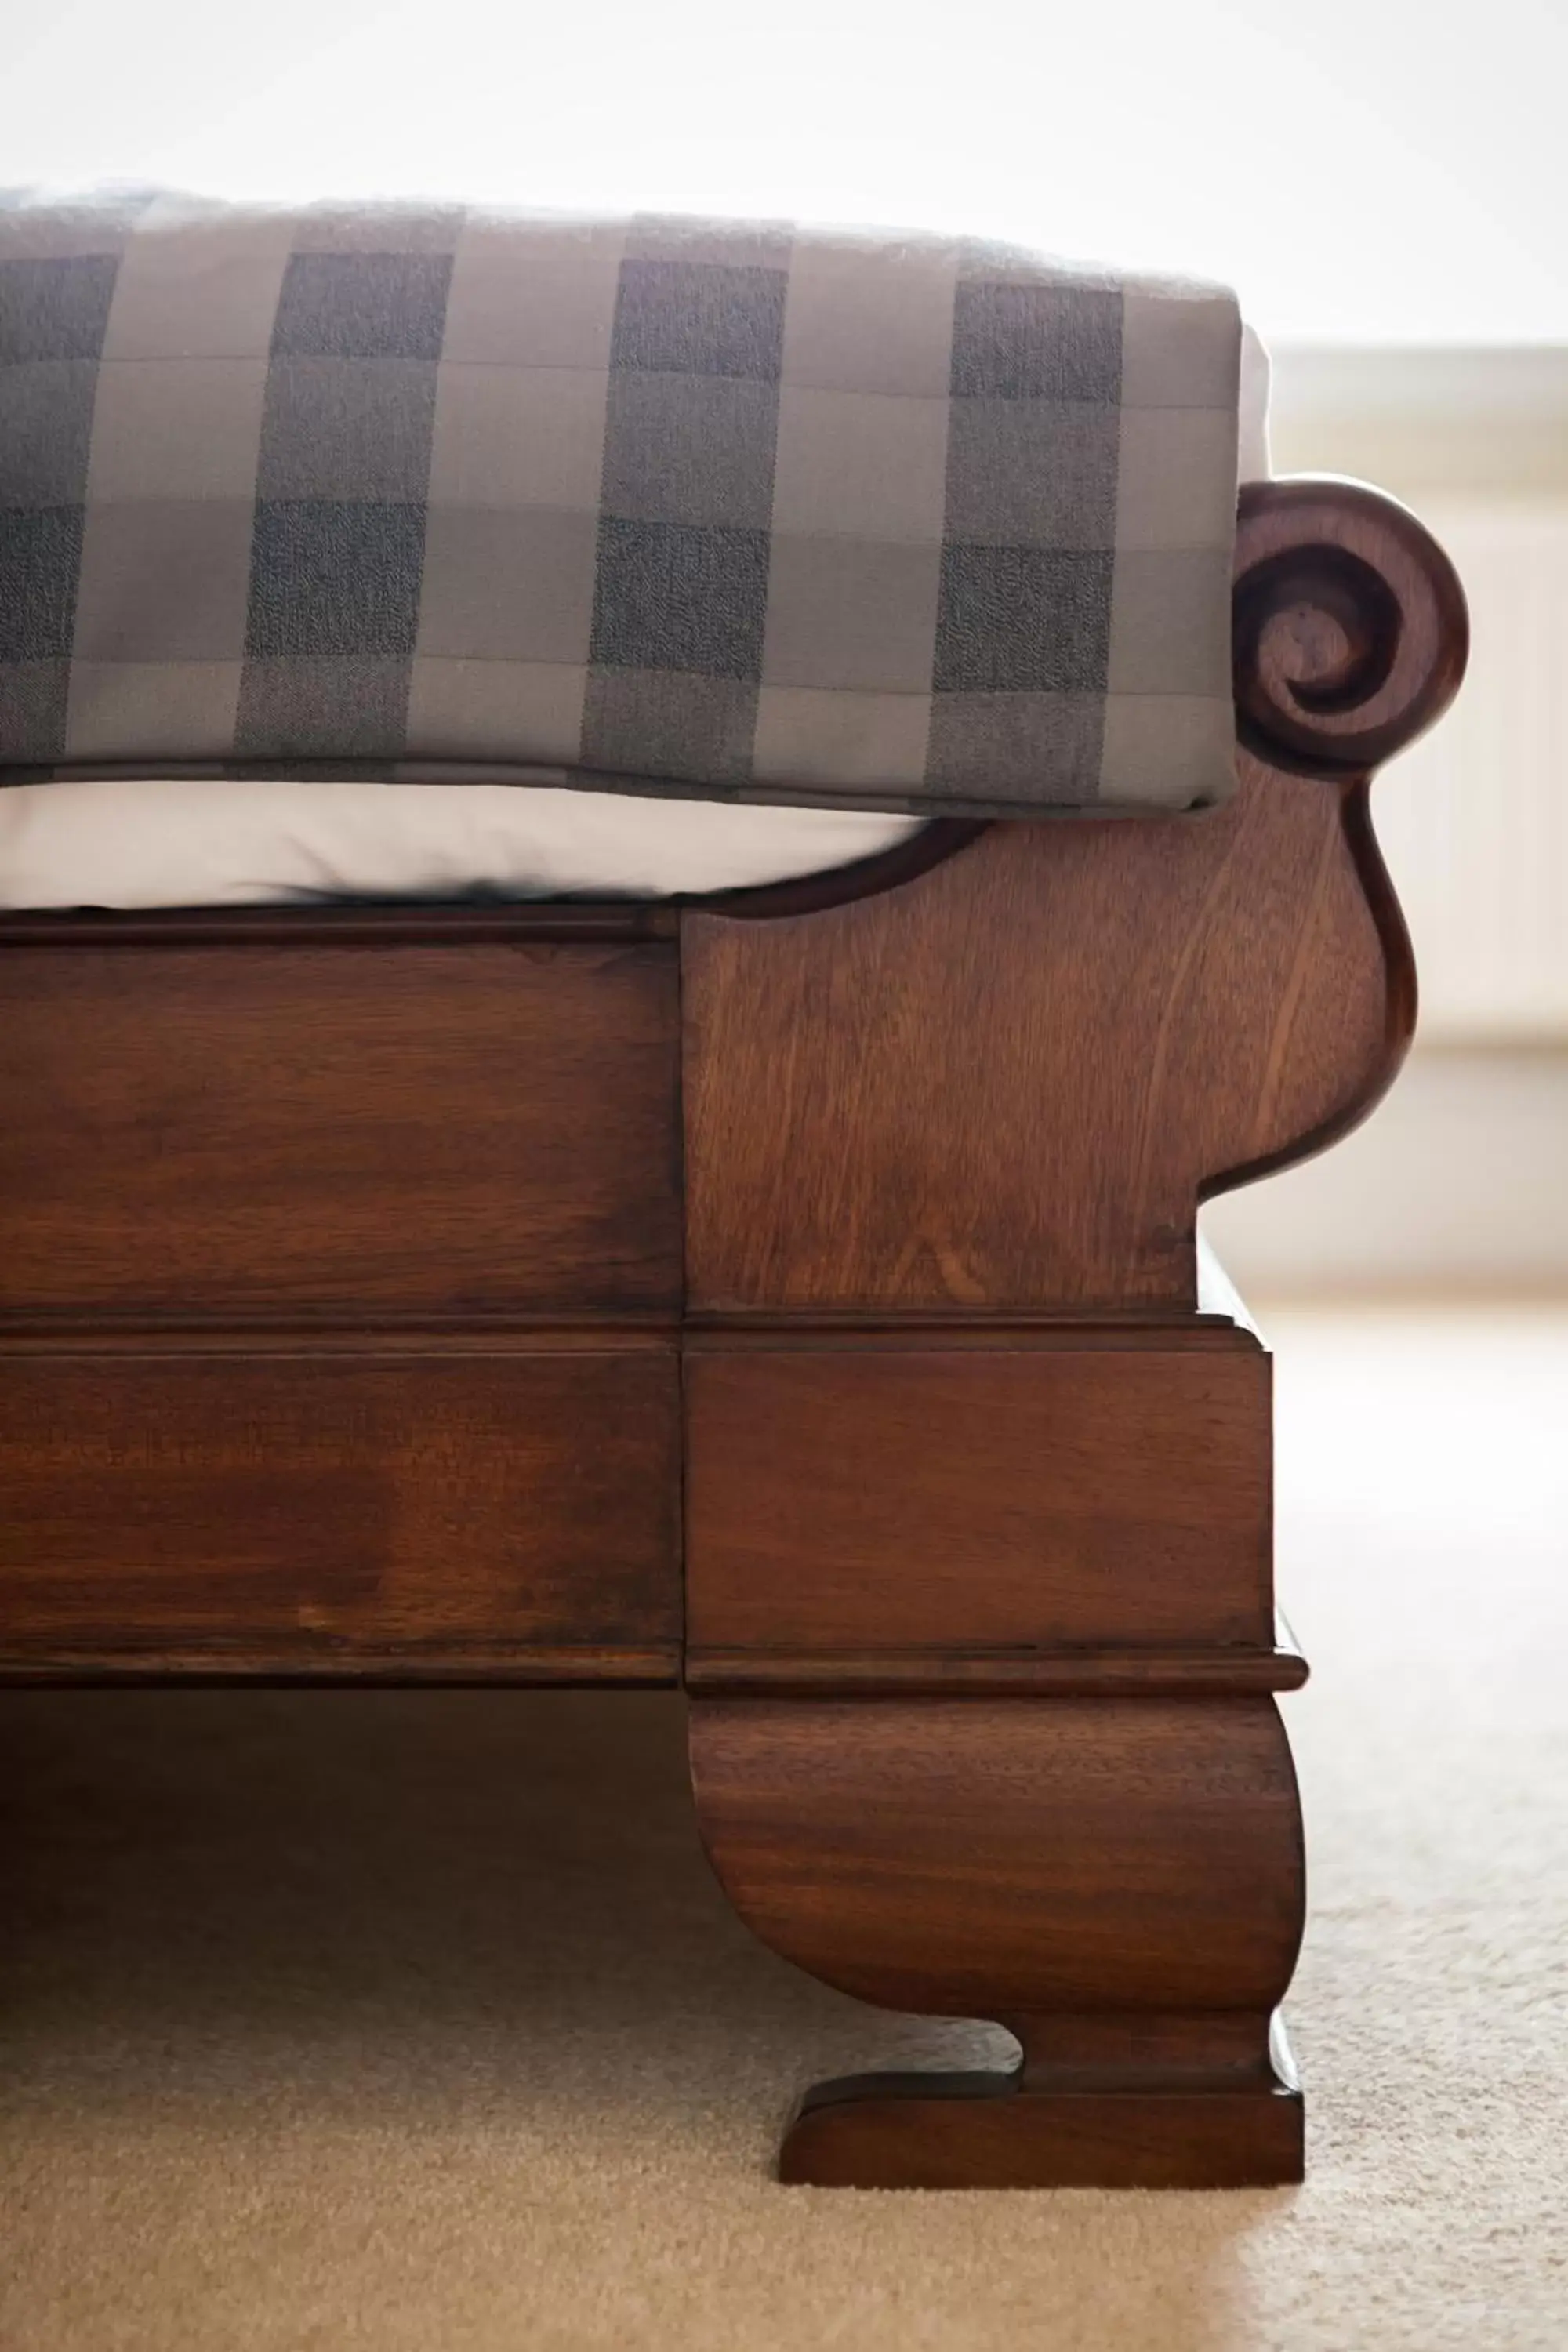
(1119, 1881)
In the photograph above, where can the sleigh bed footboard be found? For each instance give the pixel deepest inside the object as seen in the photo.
(797, 1296)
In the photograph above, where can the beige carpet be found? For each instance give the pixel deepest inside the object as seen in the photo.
(413, 2021)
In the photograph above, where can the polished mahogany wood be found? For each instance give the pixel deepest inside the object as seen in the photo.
(264, 1130)
(1007, 1086)
(844, 1499)
(998, 2130)
(1119, 1881)
(1005, 1858)
(1351, 630)
(972, 1670)
(322, 1514)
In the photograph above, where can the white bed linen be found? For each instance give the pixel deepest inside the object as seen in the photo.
(217, 845)
(166, 843)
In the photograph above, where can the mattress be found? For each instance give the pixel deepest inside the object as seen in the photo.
(234, 844)
(191, 842)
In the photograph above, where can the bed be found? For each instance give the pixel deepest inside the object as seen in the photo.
(788, 1290)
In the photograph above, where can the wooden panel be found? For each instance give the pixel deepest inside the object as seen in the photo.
(870, 1499)
(1005, 1085)
(304, 1513)
(217, 1130)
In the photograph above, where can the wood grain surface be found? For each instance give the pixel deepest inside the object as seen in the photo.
(944, 1498)
(1005, 1858)
(309, 1514)
(261, 1129)
(1119, 1881)
(1351, 629)
(988, 2131)
(1006, 1087)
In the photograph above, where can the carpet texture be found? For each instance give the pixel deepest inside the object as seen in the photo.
(414, 2020)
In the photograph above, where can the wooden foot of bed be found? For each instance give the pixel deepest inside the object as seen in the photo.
(1139, 2122)
(1117, 1880)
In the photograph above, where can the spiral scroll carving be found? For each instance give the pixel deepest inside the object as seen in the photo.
(1351, 630)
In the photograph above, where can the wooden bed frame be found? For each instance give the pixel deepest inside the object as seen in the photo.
(794, 1296)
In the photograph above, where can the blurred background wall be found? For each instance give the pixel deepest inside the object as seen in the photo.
(1459, 1181)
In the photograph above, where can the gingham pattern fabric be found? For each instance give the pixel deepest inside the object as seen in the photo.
(735, 509)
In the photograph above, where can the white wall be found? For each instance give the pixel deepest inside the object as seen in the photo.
(1458, 1185)
(1380, 173)
(1460, 1181)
